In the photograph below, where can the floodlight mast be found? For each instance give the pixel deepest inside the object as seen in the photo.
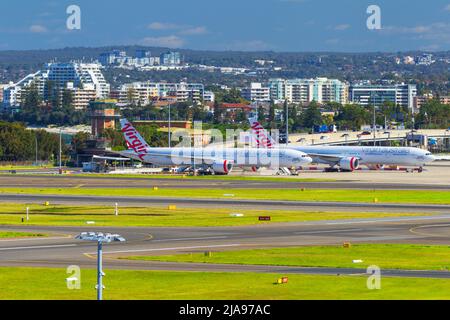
(100, 238)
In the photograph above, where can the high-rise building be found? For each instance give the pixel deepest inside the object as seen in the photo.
(58, 76)
(171, 58)
(256, 93)
(377, 94)
(140, 54)
(321, 90)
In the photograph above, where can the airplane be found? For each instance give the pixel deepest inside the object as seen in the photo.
(349, 158)
(217, 160)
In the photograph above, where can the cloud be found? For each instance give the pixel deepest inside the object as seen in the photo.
(447, 8)
(36, 28)
(185, 30)
(342, 27)
(162, 26)
(169, 42)
(436, 32)
(194, 31)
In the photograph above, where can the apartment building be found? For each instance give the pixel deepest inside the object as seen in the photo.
(256, 92)
(145, 92)
(367, 94)
(321, 90)
(75, 76)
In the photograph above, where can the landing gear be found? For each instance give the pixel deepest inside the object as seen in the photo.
(331, 169)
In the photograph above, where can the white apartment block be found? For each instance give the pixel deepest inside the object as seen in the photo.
(78, 76)
(145, 92)
(367, 94)
(321, 90)
(256, 93)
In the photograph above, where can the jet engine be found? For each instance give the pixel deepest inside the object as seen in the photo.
(222, 167)
(349, 164)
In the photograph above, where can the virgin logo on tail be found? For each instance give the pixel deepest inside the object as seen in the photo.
(262, 138)
(134, 140)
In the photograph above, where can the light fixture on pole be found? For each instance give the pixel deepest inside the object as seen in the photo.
(100, 238)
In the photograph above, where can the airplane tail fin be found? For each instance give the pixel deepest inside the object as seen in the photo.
(134, 140)
(261, 136)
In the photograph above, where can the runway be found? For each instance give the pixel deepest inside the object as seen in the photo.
(83, 182)
(229, 203)
(62, 250)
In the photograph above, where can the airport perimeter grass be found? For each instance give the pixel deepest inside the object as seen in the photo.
(13, 235)
(46, 284)
(386, 256)
(212, 177)
(18, 168)
(64, 215)
(382, 196)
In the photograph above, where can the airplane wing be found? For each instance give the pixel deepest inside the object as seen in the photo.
(326, 158)
(187, 158)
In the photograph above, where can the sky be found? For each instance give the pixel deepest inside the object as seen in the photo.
(238, 25)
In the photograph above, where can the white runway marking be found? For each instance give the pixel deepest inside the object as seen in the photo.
(404, 219)
(38, 247)
(33, 239)
(170, 249)
(328, 231)
(182, 239)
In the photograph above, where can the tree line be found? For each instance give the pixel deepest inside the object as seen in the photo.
(19, 144)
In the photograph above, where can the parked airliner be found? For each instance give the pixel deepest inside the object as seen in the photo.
(219, 160)
(349, 158)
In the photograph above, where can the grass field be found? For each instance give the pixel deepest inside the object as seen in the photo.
(382, 196)
(162, 217)
(18, 168)
(12, 235)
(210, 178)
(386, 256)
(40, 283)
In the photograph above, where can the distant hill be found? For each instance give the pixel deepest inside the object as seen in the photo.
(346, 66)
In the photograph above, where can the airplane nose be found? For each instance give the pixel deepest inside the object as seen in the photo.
(308, 160)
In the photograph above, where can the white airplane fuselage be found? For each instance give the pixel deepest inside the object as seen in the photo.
(391, 156)
(242, 157)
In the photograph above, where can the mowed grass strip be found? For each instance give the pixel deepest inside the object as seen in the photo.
(12, 235)
(386, 256)
(187, 177)
(382, 196)
(50, 284)
(63, 215)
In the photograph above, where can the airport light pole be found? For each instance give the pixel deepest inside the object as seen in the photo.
(287, 123)
(36, 145)
(60, 151)
(170, 133)
(100, 238)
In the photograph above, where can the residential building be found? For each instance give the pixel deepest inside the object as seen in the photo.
(170, 58)
(445, 99)
(256, 93)
(2, 87)
(209, 96)
(367, 94)
(320, 90)
(59, 76)
(120, 58)
(145, 92)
